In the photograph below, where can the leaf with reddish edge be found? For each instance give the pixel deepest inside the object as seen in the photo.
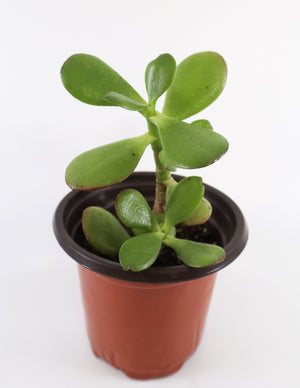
(106, 165)
(103, 231)
(188, 145)
(195, 254)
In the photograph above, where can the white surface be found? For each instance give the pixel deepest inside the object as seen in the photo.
(252, 337)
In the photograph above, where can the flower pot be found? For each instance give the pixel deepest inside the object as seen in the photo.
(145, 323)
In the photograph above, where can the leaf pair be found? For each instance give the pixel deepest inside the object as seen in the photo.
(195, 84)
(92, 81)
(188, 145)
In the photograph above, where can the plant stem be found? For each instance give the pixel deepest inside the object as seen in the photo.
(163, 175)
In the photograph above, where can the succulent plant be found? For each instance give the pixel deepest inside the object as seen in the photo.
(190, 87)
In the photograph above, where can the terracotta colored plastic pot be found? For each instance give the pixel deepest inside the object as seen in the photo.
(147, 323)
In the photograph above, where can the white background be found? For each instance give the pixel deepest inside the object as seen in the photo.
(252, 337)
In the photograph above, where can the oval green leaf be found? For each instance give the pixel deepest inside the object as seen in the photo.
(140, 252)
(134, 211)
(195, 254)
(183, 200)
(200, 215)
(159, 76)
(89, 79)
(124, 102)
(202, 212)
(187, 145)
(198, 81)
(106, 165)
(103, 231)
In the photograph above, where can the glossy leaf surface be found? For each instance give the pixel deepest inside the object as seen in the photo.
(103, 231)
(198, 81)
(188, 145)
(89, 79)
(195, 254)
(125, 102)
(140, 252)
(106, 165)
(159, 76)
(183, 200)
(200, 215)
(134, 211)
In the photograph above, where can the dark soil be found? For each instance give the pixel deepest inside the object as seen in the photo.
(199, 233)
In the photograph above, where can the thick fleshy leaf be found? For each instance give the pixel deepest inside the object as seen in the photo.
(200, 215)
(134, 211)
(103, 231)
(106, 165)
(203, 124)
(198, 81)
(159, 76)
(202, 212)
(164, 160)
(89, 79)
(188, 145)
(195, 254)
(140, 252)
(183, 200)
(124, 102)
(137, 232)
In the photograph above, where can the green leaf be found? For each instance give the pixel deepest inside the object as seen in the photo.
(164, 160)
(200, 215)
(137, 232)
(187, 145)
(89, 79)
(198, 81)
(140, 252)
(123, 101)
(106, 165)
(134, 211)
(195, 254)
(203, 124)
(183, 200)
(103, 231)
(202, 212)
(159, 76)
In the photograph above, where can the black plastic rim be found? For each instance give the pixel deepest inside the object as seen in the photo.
(226, 217)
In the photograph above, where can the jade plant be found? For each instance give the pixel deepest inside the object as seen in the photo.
(190, 87)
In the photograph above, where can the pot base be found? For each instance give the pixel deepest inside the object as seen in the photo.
(140, 375)
(146, 330)
(154, 374)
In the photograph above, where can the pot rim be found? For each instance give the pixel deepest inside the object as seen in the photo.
(168, 274)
